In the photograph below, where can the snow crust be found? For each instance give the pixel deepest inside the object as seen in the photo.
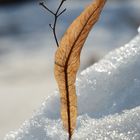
(108, 102)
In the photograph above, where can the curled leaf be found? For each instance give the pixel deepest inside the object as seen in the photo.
(67, 61)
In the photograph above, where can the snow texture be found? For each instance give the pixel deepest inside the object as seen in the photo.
(108, 102)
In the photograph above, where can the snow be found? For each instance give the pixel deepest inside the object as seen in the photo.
(139, 30)
(108, 102)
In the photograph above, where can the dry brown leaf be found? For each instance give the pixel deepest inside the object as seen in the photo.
(67, 61)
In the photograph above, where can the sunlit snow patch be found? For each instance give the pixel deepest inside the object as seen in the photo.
(108, 101)
(139, 30)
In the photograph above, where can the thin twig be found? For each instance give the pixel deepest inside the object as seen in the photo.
(42, 4)
(61, 12)
(56, 15)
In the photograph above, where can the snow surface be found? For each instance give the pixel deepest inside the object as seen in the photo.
(108, 101)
